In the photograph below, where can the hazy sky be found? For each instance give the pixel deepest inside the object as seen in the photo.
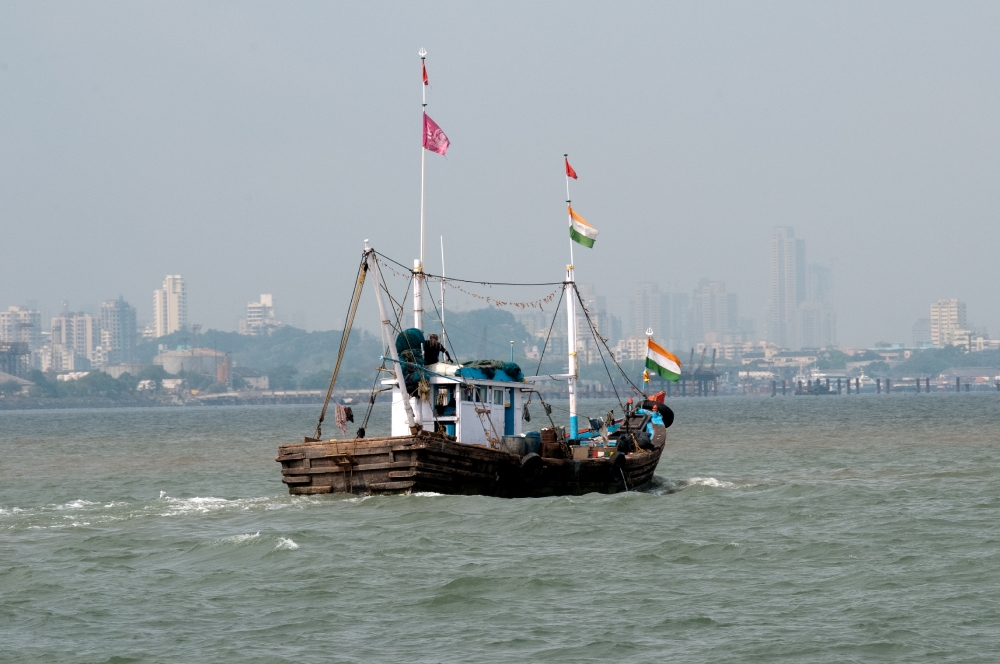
(252, 147)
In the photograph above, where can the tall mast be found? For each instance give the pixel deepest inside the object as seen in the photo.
(570, 285)
(387, 336)
(418, 265)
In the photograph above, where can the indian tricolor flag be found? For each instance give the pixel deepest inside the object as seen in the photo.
(662, 361)
(580, 230)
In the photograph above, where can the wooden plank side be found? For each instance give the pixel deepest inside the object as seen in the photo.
(391, 486)
(309, 490)
(296, 479)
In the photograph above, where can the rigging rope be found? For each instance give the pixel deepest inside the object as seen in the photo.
(605, 344)
(447, 337)
(398, 314)
(556, 313)
(348, 324)
(600, 341)
(471, 281)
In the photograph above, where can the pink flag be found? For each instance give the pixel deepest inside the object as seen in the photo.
(434, 138)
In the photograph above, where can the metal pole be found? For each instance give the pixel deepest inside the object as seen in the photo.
(387, 332)
(418, 265)
(569, 217)
(571, 324)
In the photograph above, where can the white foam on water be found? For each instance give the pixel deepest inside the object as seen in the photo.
(426, 494)
(163, 494)
(194, 505)
(75, 505)
(286, 544)
(239, 539)
(117, 503)
(711, 482)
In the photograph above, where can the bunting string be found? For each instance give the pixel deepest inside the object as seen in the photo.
(490, 300)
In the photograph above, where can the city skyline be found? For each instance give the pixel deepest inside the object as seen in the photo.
(683, 165)
(798, 316)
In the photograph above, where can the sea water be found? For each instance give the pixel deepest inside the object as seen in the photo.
(800, 529)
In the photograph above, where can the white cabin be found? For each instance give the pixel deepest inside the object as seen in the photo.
(475, 410)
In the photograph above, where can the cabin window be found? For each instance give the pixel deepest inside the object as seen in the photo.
(498, 397)
(484, 396)
(468, 393)
(443, 396)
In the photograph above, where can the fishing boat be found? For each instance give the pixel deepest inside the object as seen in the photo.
(458, 428)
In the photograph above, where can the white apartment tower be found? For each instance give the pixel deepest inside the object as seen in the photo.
(18, 324)
(261, 317)
(947, 322)
(170, 306)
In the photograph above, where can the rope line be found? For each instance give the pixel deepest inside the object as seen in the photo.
(541, 356)
(344, 336)
(472, 281)
(601, 341)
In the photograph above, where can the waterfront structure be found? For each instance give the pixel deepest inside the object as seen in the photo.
(170, 306)
(948, 324)
(21, 325)
(195, 360)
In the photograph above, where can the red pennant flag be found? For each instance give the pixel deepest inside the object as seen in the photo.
(423, 66)
(434, 139)
(570, 173)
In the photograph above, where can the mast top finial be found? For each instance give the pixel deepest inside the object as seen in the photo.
(649, 331)
(422, 53)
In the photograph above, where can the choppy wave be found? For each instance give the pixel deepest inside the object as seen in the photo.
(240, 539)
(82, 512)
(709, 481)
(285, 543)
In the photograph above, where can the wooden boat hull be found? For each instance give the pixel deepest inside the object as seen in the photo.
(436, 463)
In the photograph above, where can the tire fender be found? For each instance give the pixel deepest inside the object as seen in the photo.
(531, 467)
(617, 465)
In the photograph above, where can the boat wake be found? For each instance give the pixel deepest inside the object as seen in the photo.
(660, 486)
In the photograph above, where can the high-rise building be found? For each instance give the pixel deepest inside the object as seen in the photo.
(787, 287)
(948, 322)
(75, 342)
(817, 322)
(710, 313)
(589, 350)
(21, 325)
(261, 317)
(118, 331)
(922, 332)
(170, 306)
(676, 315)
(645, 309)
(800, 312)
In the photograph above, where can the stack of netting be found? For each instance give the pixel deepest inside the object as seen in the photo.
(409, 345)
